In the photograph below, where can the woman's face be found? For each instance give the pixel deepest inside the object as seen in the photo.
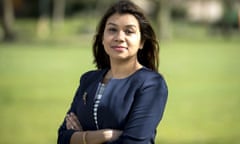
(122, 37)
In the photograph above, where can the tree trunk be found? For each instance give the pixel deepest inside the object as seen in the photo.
(164, 19)
(8, 21)
(58, 13)
(43, 25)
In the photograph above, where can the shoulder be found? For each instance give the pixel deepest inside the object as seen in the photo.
(147, 74)
(92, 74)
(148, 78)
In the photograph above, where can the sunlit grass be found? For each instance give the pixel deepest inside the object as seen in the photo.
(204, 80)
(36, 88)
(38, 80)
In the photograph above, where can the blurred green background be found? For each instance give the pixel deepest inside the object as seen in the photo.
(39, 73)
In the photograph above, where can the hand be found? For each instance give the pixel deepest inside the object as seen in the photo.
(72, 122)
(111, 135)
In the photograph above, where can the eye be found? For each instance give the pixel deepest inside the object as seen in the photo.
(112, 29)
(129, 31)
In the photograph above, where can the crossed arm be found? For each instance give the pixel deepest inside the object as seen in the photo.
(89, 137)
(146, 113)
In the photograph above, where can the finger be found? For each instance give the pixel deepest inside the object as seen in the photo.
(71, 124)
(75, 121)
(74, 117)
(68, 123)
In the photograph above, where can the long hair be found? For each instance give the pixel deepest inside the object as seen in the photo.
(147, 56)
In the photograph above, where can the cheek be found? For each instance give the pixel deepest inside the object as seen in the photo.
(136, 41)
(105, 39)
(105, 45)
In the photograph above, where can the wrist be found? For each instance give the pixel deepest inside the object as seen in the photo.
(84, 137)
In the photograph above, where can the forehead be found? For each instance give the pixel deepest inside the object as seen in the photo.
(123, 20)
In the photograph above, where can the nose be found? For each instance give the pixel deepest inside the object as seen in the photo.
(120, 36)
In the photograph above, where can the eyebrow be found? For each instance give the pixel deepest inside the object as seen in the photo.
(130, 25)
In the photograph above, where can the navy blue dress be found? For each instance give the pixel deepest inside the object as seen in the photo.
(134, 105)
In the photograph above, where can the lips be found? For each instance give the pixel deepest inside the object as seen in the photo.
(119, 47)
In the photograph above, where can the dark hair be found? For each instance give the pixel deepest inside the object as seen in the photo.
(147, 56)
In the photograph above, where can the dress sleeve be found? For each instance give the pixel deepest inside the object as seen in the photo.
(146, 112)
(64, 135)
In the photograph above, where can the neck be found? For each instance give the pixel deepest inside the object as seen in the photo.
(124, 69)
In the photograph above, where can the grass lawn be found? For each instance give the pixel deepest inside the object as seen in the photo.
(204, 80)
(38, 81)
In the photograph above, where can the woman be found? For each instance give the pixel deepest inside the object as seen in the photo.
(123, 101)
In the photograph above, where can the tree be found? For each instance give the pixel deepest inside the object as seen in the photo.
(163, 18)
(58, 13)
(230, 17)
(43, 25)
(8, 20)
